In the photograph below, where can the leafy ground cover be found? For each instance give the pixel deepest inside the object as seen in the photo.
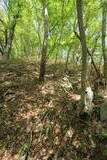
(42, 121)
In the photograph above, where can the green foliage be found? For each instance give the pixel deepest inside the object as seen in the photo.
(24, 148)
(47, 130)
(105, 152)
(62, 23)
(103, 135)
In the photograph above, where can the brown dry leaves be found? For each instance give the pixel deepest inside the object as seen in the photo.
(45, 109)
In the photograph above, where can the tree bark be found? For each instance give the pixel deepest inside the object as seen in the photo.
(45, 42)
(7, 46)
(84, 50)
(91, 55)
(9, 41)
(104, 17)
(67, 59)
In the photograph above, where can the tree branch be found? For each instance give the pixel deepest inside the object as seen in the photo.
(1, 50)
(2, 21)
(96, 39)
(90, 54)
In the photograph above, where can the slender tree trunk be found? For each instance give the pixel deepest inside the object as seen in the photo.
(56, 57)
(45, 42)
(9, 36)
(104, 17)
(61, 32)
(91, 56)
(84, 50)
(9, 30)
(9, 42)
(67, 59)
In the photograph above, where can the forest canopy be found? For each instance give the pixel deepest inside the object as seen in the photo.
(27, 16)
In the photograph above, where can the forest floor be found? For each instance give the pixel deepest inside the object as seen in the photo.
(41, 121)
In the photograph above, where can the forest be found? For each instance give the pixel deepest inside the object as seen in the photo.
(53, 79)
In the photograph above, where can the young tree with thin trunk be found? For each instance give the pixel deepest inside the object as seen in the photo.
(45, 41)
(84, 49)
(5, 48)
(104, 19)
(8, 47)
(67, 59)
(9, 26)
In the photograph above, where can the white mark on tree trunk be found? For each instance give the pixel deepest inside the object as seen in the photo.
(46, 12)
(88, 100)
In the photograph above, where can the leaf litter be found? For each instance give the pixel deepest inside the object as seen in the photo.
(41, 121)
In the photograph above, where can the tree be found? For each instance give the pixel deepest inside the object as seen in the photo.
(12, 15)
(67, 58)
(28, 32)
(45, 41)
(84, 49)
(104, 17)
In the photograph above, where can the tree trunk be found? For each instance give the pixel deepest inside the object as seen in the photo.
(104, 17)
(84, 50)
(91, 56)
(45, 42)
(67, 59)
(6, 50)
(9, 41)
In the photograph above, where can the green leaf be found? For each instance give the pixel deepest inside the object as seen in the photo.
(103, 135)
(24, 148)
